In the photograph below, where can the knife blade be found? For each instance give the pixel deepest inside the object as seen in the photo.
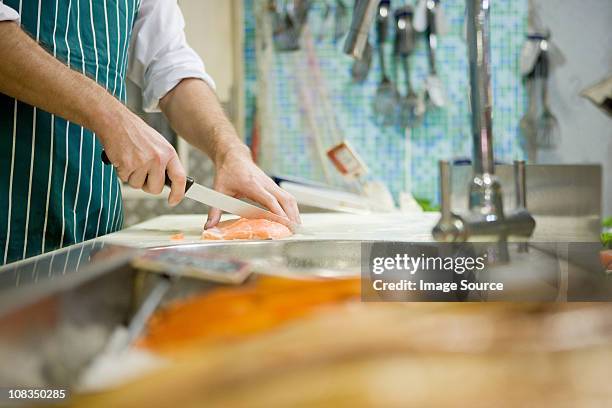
(232, 205)
(212, 198)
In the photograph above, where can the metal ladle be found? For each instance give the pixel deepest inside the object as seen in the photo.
(386, 101)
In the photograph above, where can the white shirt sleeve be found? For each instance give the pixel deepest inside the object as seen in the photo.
(159, 54)
(7, 13)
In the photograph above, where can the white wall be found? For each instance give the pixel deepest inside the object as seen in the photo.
(209, 31)
(582, 30)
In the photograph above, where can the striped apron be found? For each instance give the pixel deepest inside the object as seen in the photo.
(54, 189)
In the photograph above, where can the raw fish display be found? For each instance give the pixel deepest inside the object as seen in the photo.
(243, 228)
(233, 313)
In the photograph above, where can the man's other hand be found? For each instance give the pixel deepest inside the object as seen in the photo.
(238, 176)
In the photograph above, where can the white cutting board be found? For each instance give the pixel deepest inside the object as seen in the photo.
(378, 227)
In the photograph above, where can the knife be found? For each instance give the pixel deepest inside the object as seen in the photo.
(224, 202)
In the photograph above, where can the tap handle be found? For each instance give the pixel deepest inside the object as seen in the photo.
(520, 184)
(445, 190)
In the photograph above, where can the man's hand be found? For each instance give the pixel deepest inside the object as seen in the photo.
(237, 176)
(141, 155)
(195, 113)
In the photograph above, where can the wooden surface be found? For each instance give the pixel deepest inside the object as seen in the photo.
(395, 355)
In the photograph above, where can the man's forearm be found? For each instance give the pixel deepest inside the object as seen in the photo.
(30, 74)
(196, 114)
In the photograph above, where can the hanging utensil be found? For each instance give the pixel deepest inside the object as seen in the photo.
(334, 20)
(533, 73)
(283, 29)
(327, 21)
(287, 24)
(528, 123)
(548, 125)
(434, 88)
(412, 105)
(386, 101)
(419, 20)
(341, 22)
(361, 67)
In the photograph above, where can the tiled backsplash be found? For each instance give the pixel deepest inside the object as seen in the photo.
(300, 87)
(390, 155)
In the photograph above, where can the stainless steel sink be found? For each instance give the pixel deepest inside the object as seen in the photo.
(57, 312)
(286, 258)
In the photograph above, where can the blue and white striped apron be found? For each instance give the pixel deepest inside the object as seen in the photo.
(54, 189)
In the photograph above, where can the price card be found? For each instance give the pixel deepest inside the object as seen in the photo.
(207, 266)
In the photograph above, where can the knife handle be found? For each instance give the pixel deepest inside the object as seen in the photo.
(167, 181)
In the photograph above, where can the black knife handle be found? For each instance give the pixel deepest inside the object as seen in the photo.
(167, 181)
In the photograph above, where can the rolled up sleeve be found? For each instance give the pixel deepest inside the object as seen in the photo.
(159, 54)
(7, 13)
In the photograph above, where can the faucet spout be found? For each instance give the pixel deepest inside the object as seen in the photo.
(486, 217)
(485, 197)
(480, 84)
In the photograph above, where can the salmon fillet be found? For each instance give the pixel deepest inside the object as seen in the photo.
(179, 236)
(232, 313)
(243, 228)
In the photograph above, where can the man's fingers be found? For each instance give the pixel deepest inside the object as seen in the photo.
(287, 202)
(263, 197)
(137, 178)
(214, 215)
(179, 179)
(154, 183)
(123, 174)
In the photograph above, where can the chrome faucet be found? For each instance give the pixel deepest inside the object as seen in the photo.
(486, 218)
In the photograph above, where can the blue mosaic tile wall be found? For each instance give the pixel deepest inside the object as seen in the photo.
(445, 133)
